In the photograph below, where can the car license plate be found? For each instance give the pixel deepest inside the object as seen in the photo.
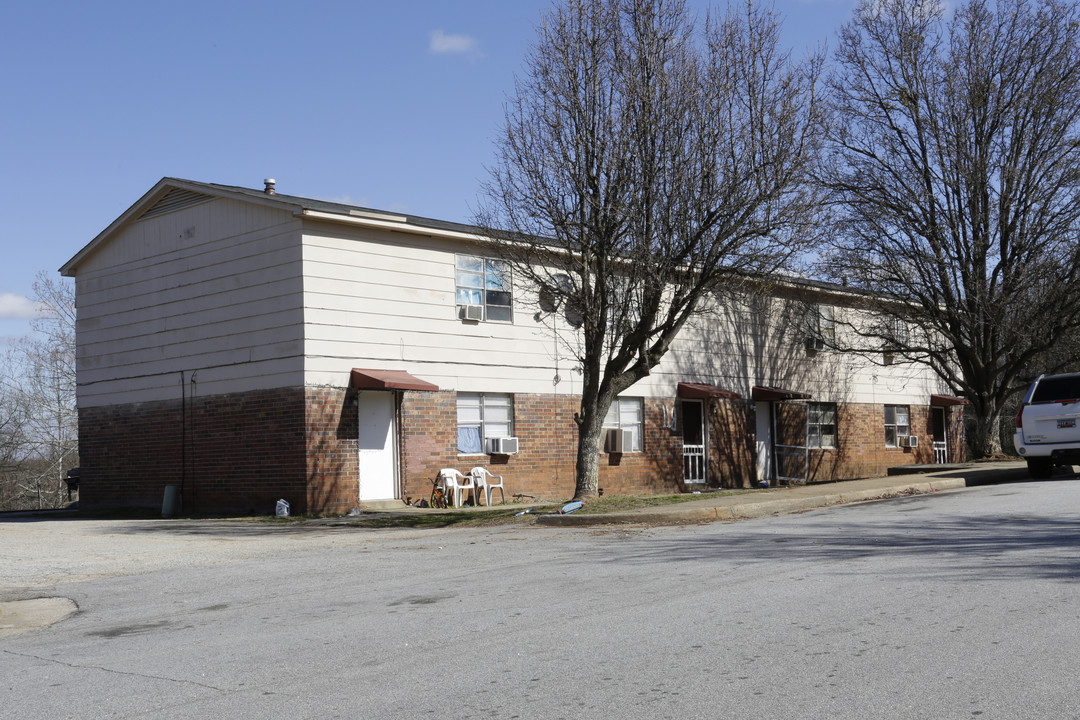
(1070, 423)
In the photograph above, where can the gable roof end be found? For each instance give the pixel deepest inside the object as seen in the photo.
(174, 193)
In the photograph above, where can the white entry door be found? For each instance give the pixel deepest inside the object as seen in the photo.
(378, 453)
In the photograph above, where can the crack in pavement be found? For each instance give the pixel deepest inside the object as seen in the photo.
(117, 672)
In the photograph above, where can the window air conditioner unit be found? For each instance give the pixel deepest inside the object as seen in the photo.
(815, 343)
(471, 312)
(909, 441)
(619, 441)
(502, 446)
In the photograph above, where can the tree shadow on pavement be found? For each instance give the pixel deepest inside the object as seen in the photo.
(996, 547)
(975, 477)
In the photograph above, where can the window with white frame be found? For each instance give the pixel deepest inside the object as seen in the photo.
(481, 416)
(894, 332)
(625, 310)
(627, 414)
(894, 336)
(485, 282)
(820, 326)
(897, 424)
(821, 425)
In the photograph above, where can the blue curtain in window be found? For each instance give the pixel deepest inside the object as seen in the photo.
(468, 440)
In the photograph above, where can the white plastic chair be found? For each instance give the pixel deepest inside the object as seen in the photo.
(486, 481)
(452, 480)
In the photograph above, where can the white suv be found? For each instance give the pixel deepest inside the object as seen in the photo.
(1047, 431)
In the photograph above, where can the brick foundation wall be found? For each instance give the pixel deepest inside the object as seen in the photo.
(547, 434)
(544, 426)
(240, 453)
(332, 472)
(244, 451)
(861, 450)
(732, 451)
(544, 466)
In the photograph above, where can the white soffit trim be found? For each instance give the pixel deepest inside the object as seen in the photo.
(389, 222)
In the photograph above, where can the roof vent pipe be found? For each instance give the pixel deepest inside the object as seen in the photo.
(269, 183)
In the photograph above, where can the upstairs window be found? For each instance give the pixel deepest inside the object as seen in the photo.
(894, 336)
(894, 332)
(820, 327)
(484, 283)
(897, 424)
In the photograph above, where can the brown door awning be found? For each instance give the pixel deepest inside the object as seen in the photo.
(387, 380)
(766, 393)
(701, 391)
(947, 400)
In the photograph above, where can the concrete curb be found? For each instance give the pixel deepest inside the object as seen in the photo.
(744, 507)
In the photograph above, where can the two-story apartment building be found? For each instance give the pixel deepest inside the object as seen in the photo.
(250, 346)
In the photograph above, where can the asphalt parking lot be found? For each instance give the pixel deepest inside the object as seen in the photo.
(40, 552)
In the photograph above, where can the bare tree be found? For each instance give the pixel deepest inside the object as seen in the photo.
(12, 449)
(955, 166)
(38, 396)
(646, 160)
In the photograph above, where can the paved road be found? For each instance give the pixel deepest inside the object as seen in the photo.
(958, 604)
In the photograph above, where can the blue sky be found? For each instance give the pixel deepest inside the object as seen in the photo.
(391, 105)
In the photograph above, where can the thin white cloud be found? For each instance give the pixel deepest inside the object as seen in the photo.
(17, 307)
(441, 43)
(347, 200)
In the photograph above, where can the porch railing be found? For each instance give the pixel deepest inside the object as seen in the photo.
(941, 453)
(693, 463)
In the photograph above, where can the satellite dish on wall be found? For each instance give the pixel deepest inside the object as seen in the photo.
(573, 315)
(551, 296)
(549, 301)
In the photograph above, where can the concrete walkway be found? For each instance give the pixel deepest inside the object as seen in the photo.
(776, 501)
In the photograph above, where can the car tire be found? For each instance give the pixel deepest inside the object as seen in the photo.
(1040, 468)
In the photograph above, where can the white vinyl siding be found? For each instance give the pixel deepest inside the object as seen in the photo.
(376, 299)
(380, 299)
(214, 287)
(256, 297)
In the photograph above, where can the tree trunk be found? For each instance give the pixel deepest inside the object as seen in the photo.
(590, 434)
(987, 440)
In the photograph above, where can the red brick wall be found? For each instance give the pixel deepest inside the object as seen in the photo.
(547, 435)
(732, 446)
(245, 451)
(544, 467)
(428, 433)
(332, 469)
(861, 450)
(240, 453)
